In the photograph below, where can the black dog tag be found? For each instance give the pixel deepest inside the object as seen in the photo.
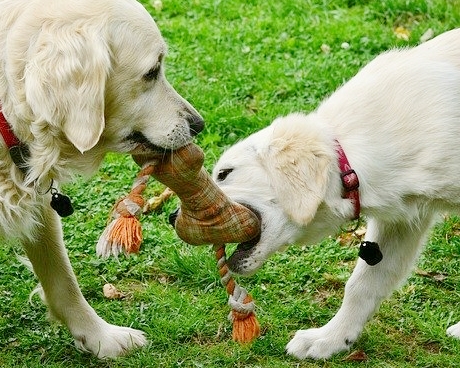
(61, 203)
(370, 252)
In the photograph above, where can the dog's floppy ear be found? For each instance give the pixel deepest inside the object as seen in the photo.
(298, 163)
(65, 80)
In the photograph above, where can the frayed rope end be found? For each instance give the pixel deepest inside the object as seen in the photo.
(246, 327)
(123, 234)
(128, 232)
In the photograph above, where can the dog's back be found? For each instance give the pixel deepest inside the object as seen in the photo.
(445, 46)
(405, 105)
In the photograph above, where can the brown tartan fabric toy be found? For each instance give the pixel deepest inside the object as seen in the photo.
(206, 216)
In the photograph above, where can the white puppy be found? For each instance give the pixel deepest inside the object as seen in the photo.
(77, 79)
(398, 122)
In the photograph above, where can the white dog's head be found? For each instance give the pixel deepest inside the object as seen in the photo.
(81, 78)
(283, 174)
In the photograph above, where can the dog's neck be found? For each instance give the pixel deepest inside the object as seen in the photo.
(350, 182)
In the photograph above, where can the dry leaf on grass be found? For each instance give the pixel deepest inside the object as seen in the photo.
(111, 292)
(350, 238)
(428, 35)
(356, 356)
(155, 203)
(432, 275)
(402, 33)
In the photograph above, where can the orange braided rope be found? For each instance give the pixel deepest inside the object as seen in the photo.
(246, 328)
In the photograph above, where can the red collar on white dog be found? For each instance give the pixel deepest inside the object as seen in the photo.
(350, 181)
(19, 152)
(368, 251)
(7, 134)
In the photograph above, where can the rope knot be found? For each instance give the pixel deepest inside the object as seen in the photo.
(246, 328)
(129, 206)
(241, 302)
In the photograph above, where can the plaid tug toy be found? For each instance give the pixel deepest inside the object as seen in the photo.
(206, 216)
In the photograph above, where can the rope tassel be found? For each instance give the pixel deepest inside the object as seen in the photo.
(246, 327)
(124, 232)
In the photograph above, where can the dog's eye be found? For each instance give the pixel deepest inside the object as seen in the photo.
(222, 175)
(152, 74)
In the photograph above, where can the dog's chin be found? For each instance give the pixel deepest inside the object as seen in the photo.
(142, 155)
(143, 150)
(241, 262)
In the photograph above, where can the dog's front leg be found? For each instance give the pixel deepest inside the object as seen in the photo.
(64, 298)
(365, 290)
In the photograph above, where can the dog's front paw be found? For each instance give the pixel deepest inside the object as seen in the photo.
(316, 343)
(111, 341)
(454, 331)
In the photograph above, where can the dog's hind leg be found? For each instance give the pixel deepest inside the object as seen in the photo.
(367, 287)
(64, 298)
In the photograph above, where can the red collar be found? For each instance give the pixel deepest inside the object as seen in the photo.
(5, 130)
(350, 181)
(18, 151)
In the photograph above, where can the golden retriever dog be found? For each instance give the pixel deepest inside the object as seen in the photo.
(78, 78)
(395, 128)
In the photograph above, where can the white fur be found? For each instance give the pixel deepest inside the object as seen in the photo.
(398, 121)
(73, 86)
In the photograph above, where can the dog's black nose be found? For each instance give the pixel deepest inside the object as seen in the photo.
(196, 124)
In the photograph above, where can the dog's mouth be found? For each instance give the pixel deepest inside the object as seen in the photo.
(144, 150)
(245, 249)
(143, 145)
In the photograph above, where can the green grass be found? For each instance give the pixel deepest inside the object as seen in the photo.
(242, 63)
